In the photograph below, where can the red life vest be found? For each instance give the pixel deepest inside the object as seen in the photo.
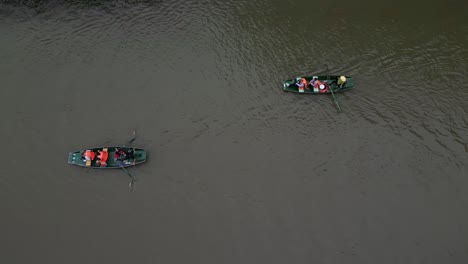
(89, 154)
(103, 155)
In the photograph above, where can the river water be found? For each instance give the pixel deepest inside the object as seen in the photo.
(238, 170)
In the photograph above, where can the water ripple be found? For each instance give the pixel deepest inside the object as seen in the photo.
(230, 59)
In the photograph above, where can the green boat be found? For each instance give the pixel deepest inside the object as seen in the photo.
(330, 82)
(116, 157)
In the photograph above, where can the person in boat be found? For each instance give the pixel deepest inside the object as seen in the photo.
(314, 82)
(131, 154)
(302, 83)
(116, 154)
(317, 84)
(88, 155)
(341, 81)
(102, 156)
(119, 154)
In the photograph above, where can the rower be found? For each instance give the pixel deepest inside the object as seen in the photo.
(119, 154)
(341, 81)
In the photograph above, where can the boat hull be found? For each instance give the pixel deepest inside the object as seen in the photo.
(330, 80)
(135, 156)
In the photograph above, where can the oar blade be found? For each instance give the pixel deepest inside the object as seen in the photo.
(132, 180)
(338, 107)
(133, 139)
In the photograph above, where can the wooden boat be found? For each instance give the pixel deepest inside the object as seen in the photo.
(126, 157)
(330, 82)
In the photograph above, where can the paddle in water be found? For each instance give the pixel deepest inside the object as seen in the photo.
(331, 90)
(132, 180)
(334, 100)
(130, 185)
(133, 139)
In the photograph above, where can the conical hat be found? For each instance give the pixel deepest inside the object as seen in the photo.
(343, 79)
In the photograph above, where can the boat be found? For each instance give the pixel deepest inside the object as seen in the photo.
(330, 82)
(126, 157)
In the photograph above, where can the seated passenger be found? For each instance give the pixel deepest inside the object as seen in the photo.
(88, 155)
(103, 155)
(301, 84)
(314, 82)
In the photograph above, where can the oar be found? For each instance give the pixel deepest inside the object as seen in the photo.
(130, 185)
(334, 99)
(133, 139)
(331, 90)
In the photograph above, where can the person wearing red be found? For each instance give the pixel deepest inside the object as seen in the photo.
(89, 155)
(102, 156)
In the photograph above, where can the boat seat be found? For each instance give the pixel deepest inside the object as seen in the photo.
(88, 163)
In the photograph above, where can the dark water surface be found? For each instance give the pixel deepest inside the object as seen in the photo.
(239, 171)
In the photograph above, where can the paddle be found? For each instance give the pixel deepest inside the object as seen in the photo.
(130, 185)
(334, 99)
(331, 90)
(132, 180)
(133, 139)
